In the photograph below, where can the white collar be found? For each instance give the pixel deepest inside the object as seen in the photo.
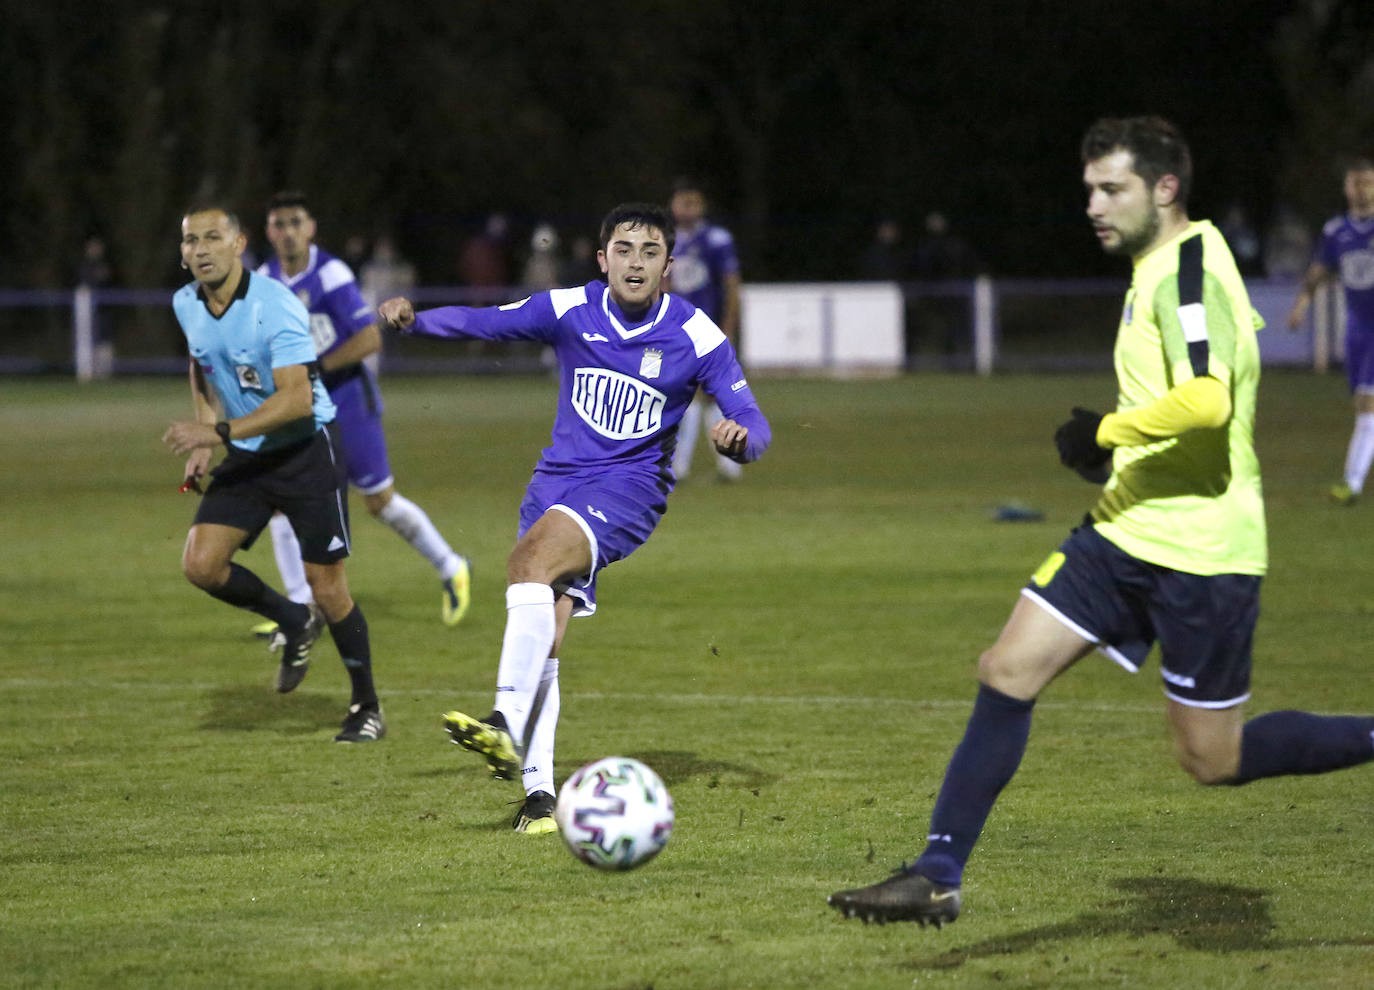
(627, 334)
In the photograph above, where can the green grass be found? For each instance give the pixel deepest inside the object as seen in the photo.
(794, 655)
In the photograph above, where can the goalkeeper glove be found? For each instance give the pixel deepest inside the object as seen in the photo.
(1077, 444)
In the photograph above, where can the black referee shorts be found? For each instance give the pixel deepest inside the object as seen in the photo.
(305, 482)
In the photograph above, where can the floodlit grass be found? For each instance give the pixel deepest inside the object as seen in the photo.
(793, 654)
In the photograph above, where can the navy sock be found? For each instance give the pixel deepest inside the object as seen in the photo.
(1299, 742)
(983, 763)
(350, 637)
(244, 589)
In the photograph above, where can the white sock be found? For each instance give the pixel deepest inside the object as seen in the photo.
(413, 526)
(530, 628)
(687, 431)
(1361, 452)
(538, 772)
(287, 549)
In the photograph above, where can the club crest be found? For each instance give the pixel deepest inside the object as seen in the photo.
(651, 365)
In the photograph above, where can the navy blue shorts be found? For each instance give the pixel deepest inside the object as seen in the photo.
(1205, 625)
(304, 482)
(617, 512)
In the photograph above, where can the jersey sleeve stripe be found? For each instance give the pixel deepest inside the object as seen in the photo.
(1192, 315)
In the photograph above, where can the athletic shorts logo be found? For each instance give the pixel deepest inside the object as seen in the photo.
(1045, 573)
(596, 512)
(615, 405)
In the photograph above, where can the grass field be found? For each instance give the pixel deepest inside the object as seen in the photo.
(793, 654)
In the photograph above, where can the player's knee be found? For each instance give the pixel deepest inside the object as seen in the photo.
(999, 670)
(378, 502)
(202, 571)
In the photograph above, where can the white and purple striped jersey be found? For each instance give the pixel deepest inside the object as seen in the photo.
(329, 291)
(1347, 248)
(623, 389)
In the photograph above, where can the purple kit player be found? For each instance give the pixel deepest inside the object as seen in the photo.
(1346, 251)
(344, 332)
(630, 357)
(706, 274)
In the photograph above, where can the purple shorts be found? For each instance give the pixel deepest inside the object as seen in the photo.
(1359, 360)
(359, 419)
(616, 511)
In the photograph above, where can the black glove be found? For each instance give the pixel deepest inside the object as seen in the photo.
(1076, 441)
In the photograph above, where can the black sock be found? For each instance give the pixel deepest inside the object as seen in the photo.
(244, 589)
(981, 766)
(350, 637)
(1300, 742)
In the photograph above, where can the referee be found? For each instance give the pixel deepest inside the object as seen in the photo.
(255, 388)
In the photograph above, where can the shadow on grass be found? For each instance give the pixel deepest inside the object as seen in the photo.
(676, 766)
(1200, 916)
(260, 709)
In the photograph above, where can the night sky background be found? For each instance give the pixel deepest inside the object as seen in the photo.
(805, 122)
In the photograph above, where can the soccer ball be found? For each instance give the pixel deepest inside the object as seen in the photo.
(614, 813)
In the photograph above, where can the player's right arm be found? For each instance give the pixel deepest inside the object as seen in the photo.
(1317, 274)
(532, 318)
(206, 413)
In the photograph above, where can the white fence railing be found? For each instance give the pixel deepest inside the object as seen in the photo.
(979, 325)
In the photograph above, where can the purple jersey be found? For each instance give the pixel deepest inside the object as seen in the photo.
(702, 258)
(337, 311)
(623, 389)
(1347, 247)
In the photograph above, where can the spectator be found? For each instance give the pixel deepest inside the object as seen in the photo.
(542, 268)
(886, 258)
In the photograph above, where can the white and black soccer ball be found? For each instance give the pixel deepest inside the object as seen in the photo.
(614, 813)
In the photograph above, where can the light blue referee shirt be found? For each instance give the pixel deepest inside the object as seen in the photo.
(265, 327)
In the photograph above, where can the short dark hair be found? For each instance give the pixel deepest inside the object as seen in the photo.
(213, 206)
(639, 215)
(1156, 145)
(288, 199)
(1357, 163)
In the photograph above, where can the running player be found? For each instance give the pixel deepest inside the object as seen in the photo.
(1173, 551)
(255, 388)
(706, 274)
(630, 359)
(345, 335)
(1346, 252)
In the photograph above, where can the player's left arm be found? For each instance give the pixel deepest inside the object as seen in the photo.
(352, 350)
(293, 399)
(1198, 329)
(743, 433)
(729, 309)
(1199, 403)
(360, 336)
